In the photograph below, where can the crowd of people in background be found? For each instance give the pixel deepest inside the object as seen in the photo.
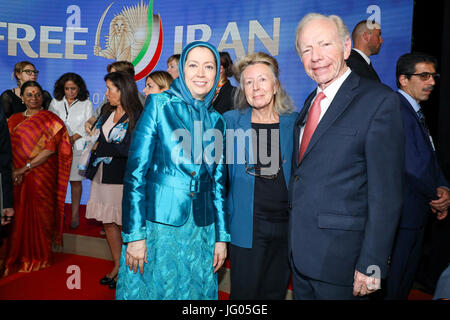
(341, 206)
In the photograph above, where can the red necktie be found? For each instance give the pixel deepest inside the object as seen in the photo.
(311, 124)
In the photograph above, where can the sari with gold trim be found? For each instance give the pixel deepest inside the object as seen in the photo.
(39, 199)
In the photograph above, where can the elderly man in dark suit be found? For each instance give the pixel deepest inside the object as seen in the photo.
(367, 41)
(6, 205)
(346, 189)
(425, 183)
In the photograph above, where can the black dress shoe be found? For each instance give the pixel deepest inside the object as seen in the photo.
(113, 284)
(106, 281)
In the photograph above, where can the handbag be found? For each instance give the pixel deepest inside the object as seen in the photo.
(91, 170)
(88, 156)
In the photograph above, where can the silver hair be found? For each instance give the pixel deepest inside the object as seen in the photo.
(342, 30)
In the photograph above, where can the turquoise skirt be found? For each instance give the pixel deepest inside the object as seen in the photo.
(180, 265)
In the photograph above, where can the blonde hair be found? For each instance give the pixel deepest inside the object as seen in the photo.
(282, 102)
(342, 30)
(163, 79)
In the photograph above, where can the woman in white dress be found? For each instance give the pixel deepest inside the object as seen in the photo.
(72, 105)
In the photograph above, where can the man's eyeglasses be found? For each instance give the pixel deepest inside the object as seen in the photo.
(424, 76)
(30, 72)
(256, 171)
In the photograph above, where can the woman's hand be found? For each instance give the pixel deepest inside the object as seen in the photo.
(220, 254)
(88, 124)
(136, 255)
(87, 127)
(17, 175)
(74, 138)
(94, 147)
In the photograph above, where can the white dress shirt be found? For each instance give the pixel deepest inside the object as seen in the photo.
(363, 55)
(74, 116)
(330, 93)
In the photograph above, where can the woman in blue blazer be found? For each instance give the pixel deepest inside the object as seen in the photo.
(174, 222)
(259, 152)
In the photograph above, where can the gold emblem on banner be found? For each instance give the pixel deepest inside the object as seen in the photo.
(127, 33)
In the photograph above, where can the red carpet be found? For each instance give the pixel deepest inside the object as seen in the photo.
(419, 295)
(51, 283)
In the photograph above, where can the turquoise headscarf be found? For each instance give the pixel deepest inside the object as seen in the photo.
(179, 87)
(201, 108)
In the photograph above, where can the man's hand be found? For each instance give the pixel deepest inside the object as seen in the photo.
(440, 205)
(7, 216)
(363, 285)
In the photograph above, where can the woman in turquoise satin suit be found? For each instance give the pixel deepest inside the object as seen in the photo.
(175, 227)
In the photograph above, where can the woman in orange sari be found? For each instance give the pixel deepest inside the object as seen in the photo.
(42, 156)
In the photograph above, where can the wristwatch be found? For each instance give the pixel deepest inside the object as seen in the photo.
(28, 165)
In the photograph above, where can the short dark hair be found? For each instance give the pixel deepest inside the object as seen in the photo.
(356, 29)
(129, 95)
(58, 91)
(406, 64)
(226, 63)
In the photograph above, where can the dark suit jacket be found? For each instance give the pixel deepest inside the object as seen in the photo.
(224, 100)
(422, 172)
(113, 172)
(5, 162)
(357, 63)
(346, 193)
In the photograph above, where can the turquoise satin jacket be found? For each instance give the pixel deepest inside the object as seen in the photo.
(162, 183)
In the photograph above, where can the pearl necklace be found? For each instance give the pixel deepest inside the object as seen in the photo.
(29, 115)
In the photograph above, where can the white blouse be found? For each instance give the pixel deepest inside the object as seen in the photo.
(74, 116)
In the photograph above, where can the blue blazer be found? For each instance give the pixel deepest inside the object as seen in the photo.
(241, 185)
(422, 172)
(159, 189)
(346, 193)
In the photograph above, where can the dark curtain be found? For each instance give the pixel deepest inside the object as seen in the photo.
(431, 34)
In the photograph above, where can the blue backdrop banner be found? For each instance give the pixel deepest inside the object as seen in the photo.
(59, 36)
